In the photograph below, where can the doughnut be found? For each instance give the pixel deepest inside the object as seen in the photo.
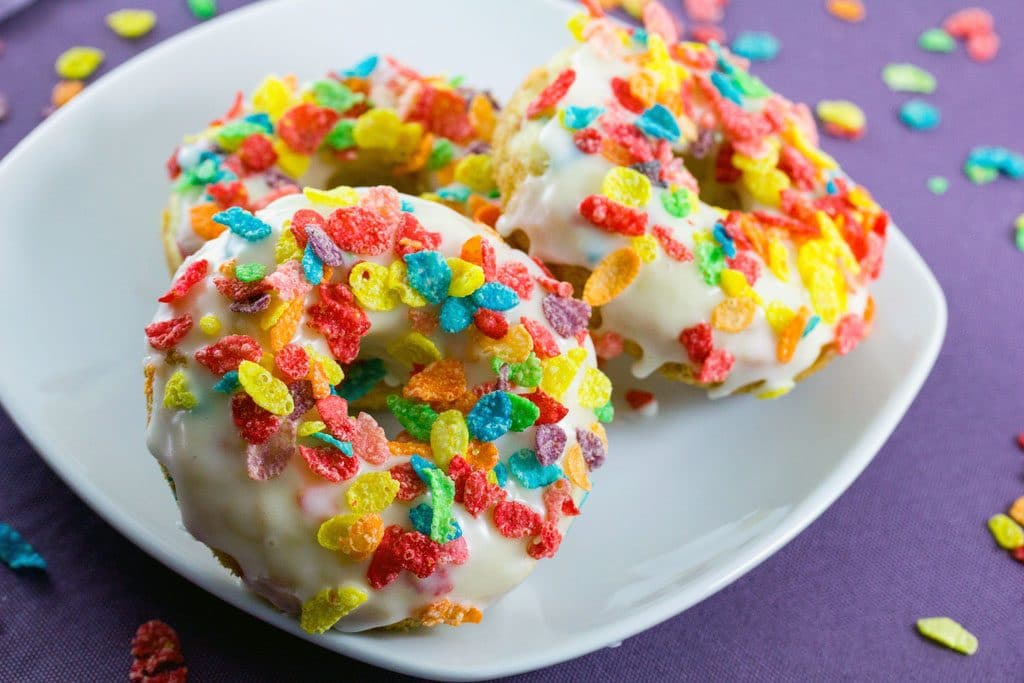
(378, 122)
(716, 242)
(419, 515)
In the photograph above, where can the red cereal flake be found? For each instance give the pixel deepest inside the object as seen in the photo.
(304, 127)
(587, 140)
(638, 398)
(1018, 553)
(157, 653)
(359, 230)
(302, 219)
(257, 153)
(443, 112)
(417, 553)
(385, 565)
(480, 494)
(725, 172)
(551, 95)
(632, 139)
(551, 411)
(516, 520)
(454, 552)
(228, 353)
(624, 95)
(716, 367)
(334, 413)
(173, 169)
(292, 362)
(194, 274)
(255, 424)
(544, 343)
(609, 345)
(410, 486)
(558, 501)
(228, 194)
(517, 277)
(969, 22)
(488, 260)
(411, 236)
(341, 321)
(491, 323)
(459, 470)
(746, 264)
(1020, 440)
(983, 47)
(166, 334)
(673, 247)
(236, 290)
(850, 330)
(705, 33)
(330, 463)
(612, 216)
(546, 542)
(698, 342)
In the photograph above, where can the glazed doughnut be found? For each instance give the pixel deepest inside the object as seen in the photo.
(496, 407)
(378, 122)
(717, 242)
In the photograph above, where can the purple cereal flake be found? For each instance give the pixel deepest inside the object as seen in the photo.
(255, 305)
(302, 395)
(593, 447)
(550, 444)
(703, 144)
(651, 169)
(267, 460)
(567, 316)
(324, 247)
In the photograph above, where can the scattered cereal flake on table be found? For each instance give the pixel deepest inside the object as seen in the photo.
(1018, 226)
(969, 22)
(983, 47)
(936, 40)
(709, 11)
(202, 9)
(908, 78)
(78, 63)
(643, 402)
(757, 46)
(938, 185)
(841, 118)
(945, 631)
(1016, 510)
(15, 551)
(157, 655)
(64, 91)
(919, 115)
(1008, 533)
(131, 23)
(847, 10)
(984, 164)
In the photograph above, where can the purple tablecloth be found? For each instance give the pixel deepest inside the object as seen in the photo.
(907, 540)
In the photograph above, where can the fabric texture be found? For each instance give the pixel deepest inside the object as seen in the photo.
(907, 540)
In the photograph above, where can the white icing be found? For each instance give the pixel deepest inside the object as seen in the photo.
(270, 527)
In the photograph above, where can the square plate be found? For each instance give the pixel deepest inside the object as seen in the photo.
(724, 484)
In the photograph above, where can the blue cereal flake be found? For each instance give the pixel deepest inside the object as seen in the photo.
(830, 187)
(262, 120)
(659, 122)
(244, 224)
(501, 474)
(496, 297)
(421, 517)
(727, 88)
(344, 446)
(407, 206)
(228, 384)
(420, 466)
(429, 274)
(724, 240)
(919, 115)
(360, 378)
(577, 118)
(757, 46)
(640, 36)
(454, 193)
(529, 472)
(456, 314)
(491, 417)
(811, 324)
(362, 69)
(999, 159)
(15, 551)
(312, 266)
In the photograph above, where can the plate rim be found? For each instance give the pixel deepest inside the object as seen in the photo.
(792, 524)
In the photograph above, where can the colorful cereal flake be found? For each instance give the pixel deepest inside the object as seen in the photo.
(157, 655)
(949, 633)
(16, 552)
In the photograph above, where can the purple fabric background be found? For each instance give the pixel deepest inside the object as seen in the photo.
(839, 602)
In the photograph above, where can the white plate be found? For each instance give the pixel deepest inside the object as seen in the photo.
(688, 501)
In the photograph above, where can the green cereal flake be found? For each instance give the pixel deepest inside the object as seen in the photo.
(250, 272)
(524, 412)
(605, 413)
(202, 9)
(980, 175)
(908, 78)
(936, 40)
(342, 135)
(416, 418)
(945, 631)
(334, 95)
(1007, 532)
(938, 185)
(442, 495)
